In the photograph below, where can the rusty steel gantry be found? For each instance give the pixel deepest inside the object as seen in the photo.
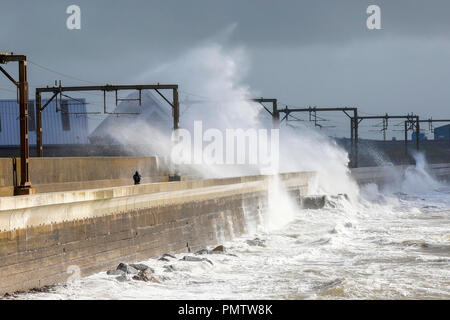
(106, 88)
(24, 187)
(353, 125)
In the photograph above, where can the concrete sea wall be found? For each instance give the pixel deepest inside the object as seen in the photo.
(43, 235)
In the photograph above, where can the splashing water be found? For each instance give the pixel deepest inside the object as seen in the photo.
(418, 179)
(215, 73)
(380, 250)
(373, 243)
(281, 207)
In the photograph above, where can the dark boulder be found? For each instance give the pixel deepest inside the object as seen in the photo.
(313, 202)
(127, 269)
(122, 278)
(115, 273)
(219, 249)
(256, 242)
(142, 267)
(145, 276)
(191, 259)
(196, 259)
(169, 268)
(203, 251)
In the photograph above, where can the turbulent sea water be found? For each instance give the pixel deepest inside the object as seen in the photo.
(390, 244)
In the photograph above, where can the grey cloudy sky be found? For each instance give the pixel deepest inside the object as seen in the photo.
(311, 52)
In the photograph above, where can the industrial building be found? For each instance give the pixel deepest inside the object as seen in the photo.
(442, 133)
(62, 125)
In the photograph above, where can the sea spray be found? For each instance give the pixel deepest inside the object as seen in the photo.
(230, 226)
(414, 179)
(219, 233)
(305, 149)
(226, 104)
(281, 207)
(215, 75)
(417, 179)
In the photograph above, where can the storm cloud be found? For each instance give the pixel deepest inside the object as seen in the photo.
(301, 52)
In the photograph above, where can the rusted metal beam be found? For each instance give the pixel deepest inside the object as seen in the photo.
(6, 57)
(110, 87)
(9, 76)
(167, 100)
(107, 88)
(275, 112)
(55, 95)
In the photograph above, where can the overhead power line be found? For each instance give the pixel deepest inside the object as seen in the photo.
(62, 74)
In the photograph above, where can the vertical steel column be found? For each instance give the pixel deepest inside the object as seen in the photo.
(175, 176)
(352, 143)
(25, 183)
(38, 113)
(417, 133)
(275, 114)
(176, 110)
(356, 124)
(406, 137)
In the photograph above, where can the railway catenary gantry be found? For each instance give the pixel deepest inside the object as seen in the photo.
(58, 90)
(411, 122)
(24, 186)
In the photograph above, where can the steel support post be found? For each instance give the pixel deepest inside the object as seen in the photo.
(38, 113)
(417, 133)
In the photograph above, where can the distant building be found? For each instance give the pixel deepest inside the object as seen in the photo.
(68, 126)
(135, 126)
(442, 133)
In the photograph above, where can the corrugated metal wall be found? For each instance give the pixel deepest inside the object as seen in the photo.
(75, 129)
(442, 133)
